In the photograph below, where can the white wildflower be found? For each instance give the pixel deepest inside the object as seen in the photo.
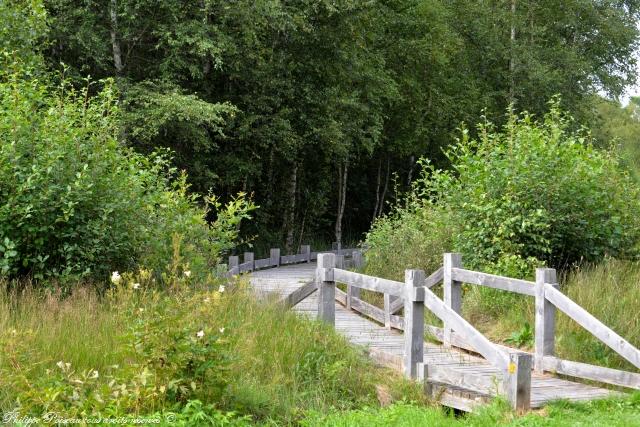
(200, 333)
(115, 277)
(221, 330)
(141, 309)
(136, 286)
(187, 273)
(60, 364)
(206, 300)
(221, 288)
(94, 374)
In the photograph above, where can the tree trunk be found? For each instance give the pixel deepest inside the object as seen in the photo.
(206, 67)
(115, 42)
(291, 211)
(384, 191)
(412, 161)
(375, 208)
(342, 198)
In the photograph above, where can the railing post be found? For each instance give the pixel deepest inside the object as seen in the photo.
(274, 255)
(517, 381)
(234, 261)
(413, 321)
(306, 249)
(452, 291)
(326, 288)
(388, 299)
(353, 291)
(248, 257)
(340, 261)
(545, 318)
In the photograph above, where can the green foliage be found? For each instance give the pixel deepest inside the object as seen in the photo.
(23, 31)
(610, 412)
(609, 291)
(537, 192)
(75, 202)
(521, 338)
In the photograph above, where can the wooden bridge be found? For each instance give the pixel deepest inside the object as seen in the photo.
(461, 368)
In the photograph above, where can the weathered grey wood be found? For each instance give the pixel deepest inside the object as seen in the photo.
(340, 261)
(299, 294)
(262, 263)
(467, 332)
(306, 251)
(545, 323)
(593, 325)
(591, 372)
(352, 292)
(326, 289)
(234, 271)
(274, 254)
(249, 258)
(491, 384)
(429, 282)
(314, 256)
(492, 281)
(517, 381)
(388, 299)
(367, 309)
(341, 297)
(413, 323)
(357, 259)
(234, 261)
(246, 267)
(452, 291)
(371, 283)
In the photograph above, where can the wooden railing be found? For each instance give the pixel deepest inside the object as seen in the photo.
(414, 294)
(345, 257)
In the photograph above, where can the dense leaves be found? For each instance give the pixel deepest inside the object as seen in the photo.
(323, 91)
(531, 193)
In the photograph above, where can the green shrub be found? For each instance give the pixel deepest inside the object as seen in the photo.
(537, 192)
(74, 201)
(533, 193)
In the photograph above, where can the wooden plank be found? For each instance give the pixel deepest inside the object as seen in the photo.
(367, 309)
(341, 297)
(371, 283)
(493, 281)
(492, 385)
(274, 254)
(301, 293)
(593, 325)
(452, 291)
(591, 372)
(245, 267)
(545, 322)
(454, 399)
(262, 263)
(470, 334)
(413, 323)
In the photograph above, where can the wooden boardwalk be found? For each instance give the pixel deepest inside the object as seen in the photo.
(386, 346)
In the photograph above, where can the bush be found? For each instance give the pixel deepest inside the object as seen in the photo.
(534, 193)
(74, 201)
(538, 193)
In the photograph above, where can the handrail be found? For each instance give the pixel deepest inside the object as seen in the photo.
(593, 325)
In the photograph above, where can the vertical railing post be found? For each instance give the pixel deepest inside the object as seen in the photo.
(234, 261)
(306, 249)
(452, 291)
(340, 261)
(388, 299)
(545, 318)
(248, 257)
(326, 288)
(274, 255)
(517, 384)
(353, 291)
(413, 321)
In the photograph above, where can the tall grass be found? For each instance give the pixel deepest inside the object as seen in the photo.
(611, 292)
(277, 365)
